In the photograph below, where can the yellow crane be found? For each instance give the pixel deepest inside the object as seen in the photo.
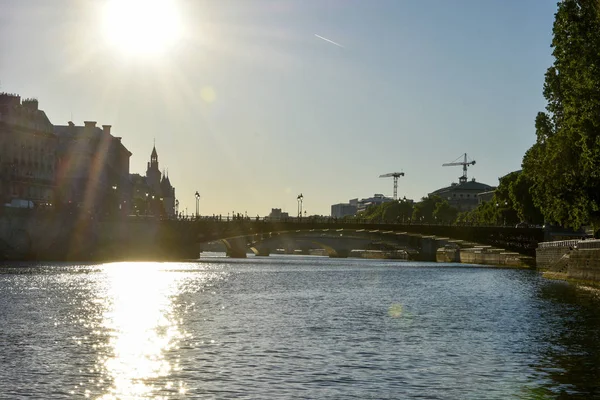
(395, 175)
(464, 163)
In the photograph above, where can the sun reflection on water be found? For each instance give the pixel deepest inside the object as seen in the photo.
(139, 317)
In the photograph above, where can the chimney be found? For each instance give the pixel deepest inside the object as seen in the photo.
(31, 104)
(89, 127)
(106, 129)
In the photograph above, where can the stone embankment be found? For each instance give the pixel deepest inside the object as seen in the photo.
(473, 253)
(44, 236)
(572, 260)
(380, 254)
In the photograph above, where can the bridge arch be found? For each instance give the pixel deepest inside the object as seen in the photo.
(520, 240)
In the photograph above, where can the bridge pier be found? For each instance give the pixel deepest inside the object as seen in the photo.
(430, 246)
(236, 247)
(339, 253)
(236, 253)
(261, 250)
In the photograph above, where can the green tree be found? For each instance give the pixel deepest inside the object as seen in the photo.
(444, 213)
(392, 211)
(522, 200)
(430, 208)
(564, 163)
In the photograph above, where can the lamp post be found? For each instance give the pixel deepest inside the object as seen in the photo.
(176, 208)
(197, 195)
(116, 199)
(300, 198)
(501, 210)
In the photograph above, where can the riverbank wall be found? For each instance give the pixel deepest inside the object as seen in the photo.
(572, 260)
(486, 255)
(380, 254)
(31, 235)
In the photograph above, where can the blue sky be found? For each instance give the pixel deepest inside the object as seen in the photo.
(250, 108)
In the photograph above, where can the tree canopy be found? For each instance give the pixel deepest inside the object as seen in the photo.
(392, 211)
(563, 166)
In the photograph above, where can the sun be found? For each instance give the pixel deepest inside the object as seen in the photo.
(142, 26)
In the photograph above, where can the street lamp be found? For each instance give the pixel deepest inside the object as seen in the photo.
(197, 195)
(116, 198)
(501, 210)
(300, 198)
(176, 208)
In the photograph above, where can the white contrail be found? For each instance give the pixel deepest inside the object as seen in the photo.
(330, 41)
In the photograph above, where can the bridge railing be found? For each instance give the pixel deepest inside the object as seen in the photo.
(589, 244)
(559, 243)
(326, 220)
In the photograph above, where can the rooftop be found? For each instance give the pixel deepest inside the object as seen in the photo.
(471, 185)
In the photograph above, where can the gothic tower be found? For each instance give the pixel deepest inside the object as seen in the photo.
(153, 173)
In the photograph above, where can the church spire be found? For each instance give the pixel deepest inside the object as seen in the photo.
(154, 157)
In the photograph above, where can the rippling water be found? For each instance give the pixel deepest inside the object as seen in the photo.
(294, 327)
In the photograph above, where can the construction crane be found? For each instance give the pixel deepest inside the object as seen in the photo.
(464, 163)
(396, 175)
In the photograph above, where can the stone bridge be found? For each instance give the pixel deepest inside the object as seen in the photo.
(26, 234)
(337, 243)
(425, 239)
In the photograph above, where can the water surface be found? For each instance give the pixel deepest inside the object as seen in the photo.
(294, 327)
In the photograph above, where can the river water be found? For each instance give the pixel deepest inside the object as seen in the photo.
(294, 327)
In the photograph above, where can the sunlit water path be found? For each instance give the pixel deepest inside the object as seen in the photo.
(294, 327)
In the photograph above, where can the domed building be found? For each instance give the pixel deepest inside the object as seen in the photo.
(463, 195)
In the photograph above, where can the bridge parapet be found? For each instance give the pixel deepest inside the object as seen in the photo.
(521, 240)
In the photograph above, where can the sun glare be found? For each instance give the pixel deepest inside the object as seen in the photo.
(142, 26)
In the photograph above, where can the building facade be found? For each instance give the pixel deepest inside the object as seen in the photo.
(277, 215)
(464, 196)
(153, 194)
(27, 152)
(363, 204)
(92, 171)
(355, 206)
(342, 210)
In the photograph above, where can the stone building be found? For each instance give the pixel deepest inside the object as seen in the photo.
(27, 152)
(341, 210)
(153, 194)
(464, 195)
(277, 215)
(355, 206)
(363, 204)
(92, 171)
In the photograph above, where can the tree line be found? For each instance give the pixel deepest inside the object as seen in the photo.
(560, 178)
(512, 203)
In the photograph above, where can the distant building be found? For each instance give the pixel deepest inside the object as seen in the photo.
(464, 195)
(277, 215)
(141, 195)
(27, 152)
(92, 169)
(363, 204)
(153, 194)
(485, 196)
(355, 206)
(343, 210)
